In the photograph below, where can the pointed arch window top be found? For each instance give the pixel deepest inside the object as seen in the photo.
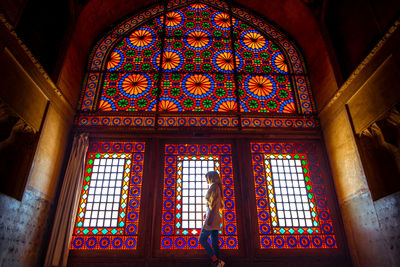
(214, 64)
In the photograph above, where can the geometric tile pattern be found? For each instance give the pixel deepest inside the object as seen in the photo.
(291, 201)
(109, 206)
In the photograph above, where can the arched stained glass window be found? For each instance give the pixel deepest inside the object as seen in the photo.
(207, 66)
(196, 64)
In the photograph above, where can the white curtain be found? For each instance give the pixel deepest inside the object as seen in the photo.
(57, 253)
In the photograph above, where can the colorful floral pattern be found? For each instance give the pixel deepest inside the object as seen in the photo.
(172, 60)
(168, 105)
(199, 67)
(198, 39)
(223, 21)
(198, 92)
(197, 85)
(224, 62)
(263, 93)
(254, 40)
(279, 62)
(228, 105)
(114, 61)
(135, 84)
(198, 6)
(141, 39)
(173, 19)
(260, 86)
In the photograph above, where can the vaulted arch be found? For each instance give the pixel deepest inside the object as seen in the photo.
(217, 65)
(181, 68)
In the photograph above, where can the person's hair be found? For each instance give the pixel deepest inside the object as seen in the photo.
(212, 194)
(213, 177)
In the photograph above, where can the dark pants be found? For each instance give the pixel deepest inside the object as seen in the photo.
(214, 241)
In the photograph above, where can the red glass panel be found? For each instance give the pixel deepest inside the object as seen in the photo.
(291, 200)
(184, 191)
(109, 207)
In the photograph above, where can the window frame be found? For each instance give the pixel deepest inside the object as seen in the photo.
(143, 218)
(185, 253)
(326, 181)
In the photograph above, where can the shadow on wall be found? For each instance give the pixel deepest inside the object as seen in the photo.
(18, 143)
(380, 152)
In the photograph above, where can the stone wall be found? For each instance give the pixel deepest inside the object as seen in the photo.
(27, 89)
(388, 213)
(368, 94)
(24, 229)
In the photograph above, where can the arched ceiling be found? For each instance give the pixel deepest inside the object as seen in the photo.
(293, 16)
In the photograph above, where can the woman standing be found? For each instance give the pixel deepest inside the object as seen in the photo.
(213, 220)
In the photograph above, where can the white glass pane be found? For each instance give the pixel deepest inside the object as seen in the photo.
(103, 197)
(291, 196)
(194, 188)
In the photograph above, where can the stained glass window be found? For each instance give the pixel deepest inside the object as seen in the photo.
(198, 41)
(203, 59)
(184, 191)
(109, 207)
(105, 190)
(291, 200)
(193, 189)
